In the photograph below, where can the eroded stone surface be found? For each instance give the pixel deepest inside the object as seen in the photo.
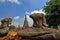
(5, 22)
(39, 34)
(38, 19)
(4, 26)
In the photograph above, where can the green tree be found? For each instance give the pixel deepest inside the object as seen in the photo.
(12, 27)
(52, 10)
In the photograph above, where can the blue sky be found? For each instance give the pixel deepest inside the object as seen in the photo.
(17, 9)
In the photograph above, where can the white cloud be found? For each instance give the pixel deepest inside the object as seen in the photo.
(15, 21)
(15, 24)
(2, 0)
(16, 17)
(0, 23)
(30, 21)
(12, 1)
(27, 13)
(38, 11)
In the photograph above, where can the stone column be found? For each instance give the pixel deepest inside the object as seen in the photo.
(44, 21)
(40, 22)
(35, 23)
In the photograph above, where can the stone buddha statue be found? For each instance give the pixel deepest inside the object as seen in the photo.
(4, 26)
(39, 19)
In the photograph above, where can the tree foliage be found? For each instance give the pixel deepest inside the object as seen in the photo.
(52, 10)
(12, 27)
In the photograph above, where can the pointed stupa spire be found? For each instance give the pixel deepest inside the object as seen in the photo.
(25, 23)
(19, 28)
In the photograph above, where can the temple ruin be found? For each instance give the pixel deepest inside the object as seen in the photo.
(38, 19)
(25, 23)
(5, 22)
(19, 28)
(4, 26)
